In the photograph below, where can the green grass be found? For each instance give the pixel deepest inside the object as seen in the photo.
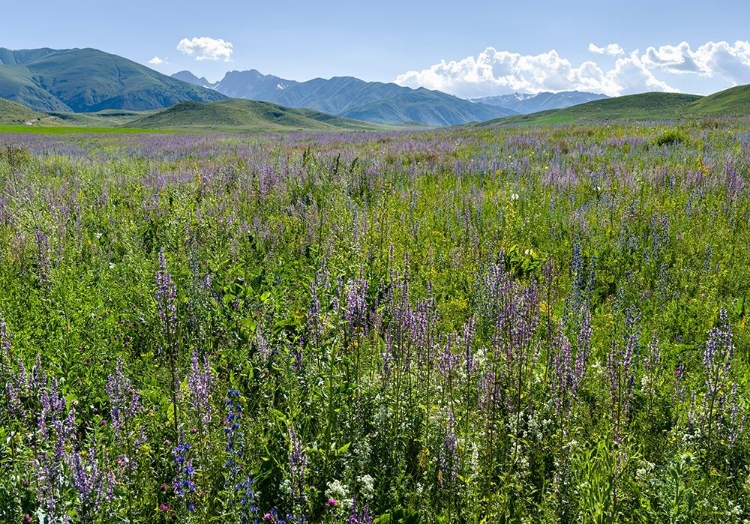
(107, 118)
(246, 116)
(13, 113)
(540, 324)
(732, 102)
(65, 130)
(646, 106)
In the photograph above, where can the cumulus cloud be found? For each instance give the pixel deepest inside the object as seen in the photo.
(631, 75)
(730, 61)
(156, 61)
(609, 49)
(205, 48)
(495, 72)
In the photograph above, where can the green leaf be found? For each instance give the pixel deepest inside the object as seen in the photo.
(279, 415)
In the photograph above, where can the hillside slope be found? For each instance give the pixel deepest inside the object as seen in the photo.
(14, 113)
(89, 80)
(246, 116)
(646, 106)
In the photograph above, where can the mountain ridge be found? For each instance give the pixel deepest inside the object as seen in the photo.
(524, 103)
(350, 97)
(88, 80)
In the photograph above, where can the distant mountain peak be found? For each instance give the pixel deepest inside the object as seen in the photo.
(348, 96)
(526, 103)
(190, 78)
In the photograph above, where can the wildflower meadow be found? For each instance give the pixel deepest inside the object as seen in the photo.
(489, 325)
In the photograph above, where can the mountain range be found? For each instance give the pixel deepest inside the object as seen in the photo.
(379, 102)
(349, 97)
(527, 103)
(89, 80)
(91, 88)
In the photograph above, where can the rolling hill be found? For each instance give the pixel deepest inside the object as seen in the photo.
(246, 116)
(89, 80)
(14, 113)
(354, 98)
(734, 101)
(645, 106)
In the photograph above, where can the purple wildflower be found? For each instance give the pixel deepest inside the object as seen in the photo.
(314, 312)
(448, 455)
(42, 244)
(621, 366)
(297, 467)
(184, 483)
(356, 304)
(722, 409)
(123, 399)
(94, 486)
(166, 301)
(359, 517)
(201, 382)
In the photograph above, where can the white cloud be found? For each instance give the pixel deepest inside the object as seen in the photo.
(157, 61)
(205, 48)
(631, 75)
(495, 72)
(610, 49)
(711, 59)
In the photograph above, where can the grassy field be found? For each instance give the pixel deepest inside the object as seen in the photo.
(67, 130)
(513, 324)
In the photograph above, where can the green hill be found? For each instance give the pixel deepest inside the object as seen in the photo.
(647, 106)
(246, 116)
(13, 113)
(88, 80)
(734, 101)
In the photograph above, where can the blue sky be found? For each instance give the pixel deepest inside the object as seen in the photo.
(467, 48)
